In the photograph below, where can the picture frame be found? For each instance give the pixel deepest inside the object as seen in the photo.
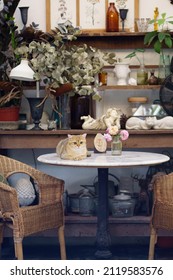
(79, 9)
(91, 15)
(59, 11)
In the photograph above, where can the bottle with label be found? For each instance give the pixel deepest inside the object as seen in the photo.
(112, 19)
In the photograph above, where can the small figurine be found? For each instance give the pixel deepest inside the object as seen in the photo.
(112, 117)
(156, 14)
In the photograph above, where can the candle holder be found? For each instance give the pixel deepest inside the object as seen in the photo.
(123, 15)
(24, 15)
(36, 105)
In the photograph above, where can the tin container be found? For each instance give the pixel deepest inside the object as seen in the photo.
(122, 205)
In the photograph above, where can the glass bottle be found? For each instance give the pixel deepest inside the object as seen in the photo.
(116, 146)
(142, 75)
(153, 80)
(112, 19)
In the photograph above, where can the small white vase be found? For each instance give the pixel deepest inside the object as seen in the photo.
(122, 71)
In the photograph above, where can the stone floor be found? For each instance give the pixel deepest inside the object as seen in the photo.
(48, 250)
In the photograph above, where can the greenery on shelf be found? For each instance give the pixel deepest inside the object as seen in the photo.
(161, 37)
(59, 62)
(135, 54)
(9, 38)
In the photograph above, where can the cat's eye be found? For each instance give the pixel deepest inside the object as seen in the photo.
(81, 142)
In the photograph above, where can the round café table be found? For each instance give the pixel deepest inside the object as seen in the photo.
(104, 161)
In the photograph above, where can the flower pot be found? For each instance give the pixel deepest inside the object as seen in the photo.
(9, 114)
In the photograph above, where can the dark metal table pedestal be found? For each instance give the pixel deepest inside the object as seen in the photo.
(103, 240)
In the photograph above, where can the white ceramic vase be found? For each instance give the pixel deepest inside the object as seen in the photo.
(122, 71)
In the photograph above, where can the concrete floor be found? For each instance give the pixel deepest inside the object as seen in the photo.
(48, 249)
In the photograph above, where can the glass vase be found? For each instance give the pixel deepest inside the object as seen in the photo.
(142, 75)
(63, 115)
(164, 67)
(116, 146)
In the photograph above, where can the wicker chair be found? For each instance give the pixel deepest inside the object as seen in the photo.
(24, 221)
(162, 211)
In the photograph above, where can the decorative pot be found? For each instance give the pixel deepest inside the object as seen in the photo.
(122, 71)
(9, 113)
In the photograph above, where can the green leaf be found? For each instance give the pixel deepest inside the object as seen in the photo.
(130, 55)
(168, 42)
(157, 46)
(162, 36)
(161, 21)
(139, 50)
(149, 37)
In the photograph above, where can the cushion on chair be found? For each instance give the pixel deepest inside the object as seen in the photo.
(25, 192)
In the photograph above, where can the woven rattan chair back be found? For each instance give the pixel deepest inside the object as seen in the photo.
(162, 211)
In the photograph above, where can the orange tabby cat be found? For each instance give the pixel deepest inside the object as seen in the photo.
(73, 147)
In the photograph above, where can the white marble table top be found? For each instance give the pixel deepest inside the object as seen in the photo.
(106, 160)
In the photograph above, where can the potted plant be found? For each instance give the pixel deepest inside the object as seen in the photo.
(9, 38)
(160, 39)
(10, 99)
(10, 93)
(65, 67)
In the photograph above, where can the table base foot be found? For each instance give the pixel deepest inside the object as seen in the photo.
(103, 254)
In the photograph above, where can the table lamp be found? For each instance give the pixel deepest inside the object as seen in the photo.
(23, 72)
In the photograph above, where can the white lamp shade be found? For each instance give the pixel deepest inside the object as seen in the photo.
(22, 72)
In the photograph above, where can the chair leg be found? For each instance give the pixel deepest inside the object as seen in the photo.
(62, 242)
(1, 236)
(153, 239)
(18, 248)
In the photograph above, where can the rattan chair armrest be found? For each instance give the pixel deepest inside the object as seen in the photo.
(50, 188)
(9, 200)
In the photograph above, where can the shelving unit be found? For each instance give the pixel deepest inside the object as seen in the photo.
(22, 139)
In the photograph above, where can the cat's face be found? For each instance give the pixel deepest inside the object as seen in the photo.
(77, 141)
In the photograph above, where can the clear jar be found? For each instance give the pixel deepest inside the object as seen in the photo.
(136, 102)
(122, 206)
(116, 146)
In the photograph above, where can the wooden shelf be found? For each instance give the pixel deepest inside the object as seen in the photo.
(25, 139)
(129, 87)
(112, 40)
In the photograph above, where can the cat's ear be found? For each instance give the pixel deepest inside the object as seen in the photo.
(84, 135)
(69, 136)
